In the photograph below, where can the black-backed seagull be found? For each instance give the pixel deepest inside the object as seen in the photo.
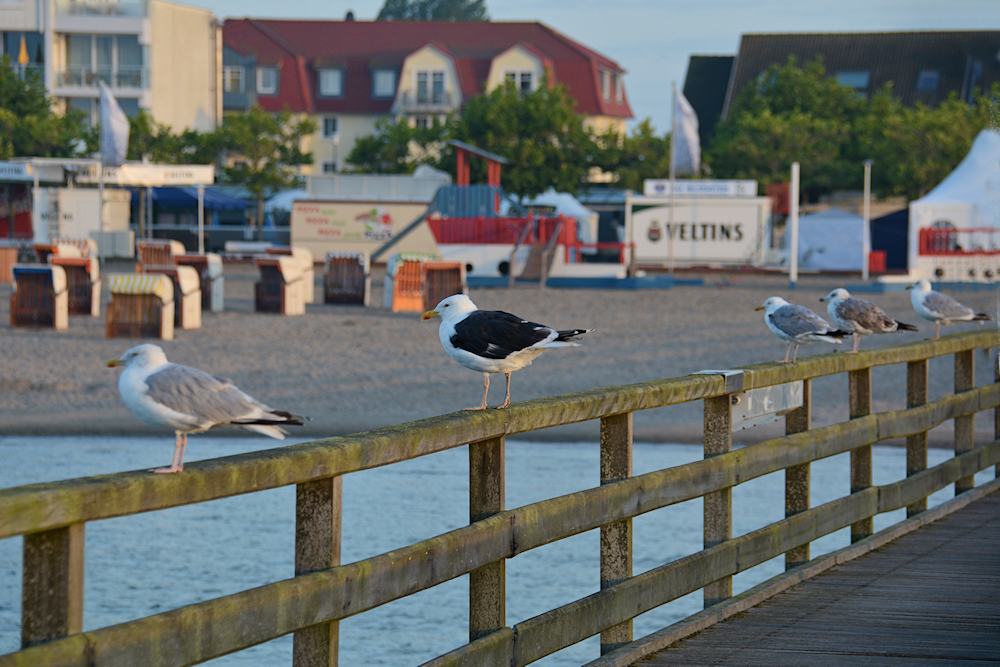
(187, 400)
(940, 308)
(860, 317)
(492, 341)
(797, 324)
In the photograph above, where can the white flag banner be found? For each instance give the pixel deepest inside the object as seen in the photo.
(687, 149)
(114, 129)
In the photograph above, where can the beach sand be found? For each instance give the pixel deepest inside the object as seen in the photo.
(352, 369)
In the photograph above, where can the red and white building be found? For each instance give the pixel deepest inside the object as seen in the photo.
(346, 75)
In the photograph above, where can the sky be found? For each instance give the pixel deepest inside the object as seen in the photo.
(653, 39)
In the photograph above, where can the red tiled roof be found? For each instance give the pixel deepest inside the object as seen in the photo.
(295, 46)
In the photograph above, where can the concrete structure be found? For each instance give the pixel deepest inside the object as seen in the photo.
(346, 75)
(155, 55)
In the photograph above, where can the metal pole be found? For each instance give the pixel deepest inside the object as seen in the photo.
(866, 234)
(673, 175)
(100, 209)
(201, 219)
(793, 221)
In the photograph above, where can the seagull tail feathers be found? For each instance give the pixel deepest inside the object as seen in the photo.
(981, 316)
(269, 425)
(903, 326)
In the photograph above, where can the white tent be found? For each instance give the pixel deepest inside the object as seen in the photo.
(829, 240)
(568, 205)
(968, 197)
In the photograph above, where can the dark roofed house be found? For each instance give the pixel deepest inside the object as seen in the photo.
(346, 75)
(705, 88)
(923, 67)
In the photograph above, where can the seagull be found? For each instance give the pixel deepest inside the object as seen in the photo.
(797, 324)
(492, 341)
(940, 308)
(188, 400)
(860, 317)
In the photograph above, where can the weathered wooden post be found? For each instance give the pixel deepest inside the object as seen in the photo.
(996, 412)
(860, 388)
(487, 585)
(718, 506)
(797, 481)
(318, 516)
(965, 429)
(916, 445)
(616, 538)
(52, 585)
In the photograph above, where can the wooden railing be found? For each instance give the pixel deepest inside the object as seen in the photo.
(52, 516)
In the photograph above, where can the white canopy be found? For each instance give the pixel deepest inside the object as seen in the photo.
(830, 240)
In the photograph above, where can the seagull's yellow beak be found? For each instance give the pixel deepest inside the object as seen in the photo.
(115, 362)
(430, 314)
(909, 287)
(759, 308)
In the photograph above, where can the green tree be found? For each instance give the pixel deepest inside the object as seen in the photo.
(433, 10)
(635, 157)
(28, 126)
(264, 149)
(397, 148)
(539, 132)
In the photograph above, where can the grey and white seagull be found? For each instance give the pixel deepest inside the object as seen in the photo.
(492, 341)
(187, 400)
(797, 325)
(940, 308)
(860, 317)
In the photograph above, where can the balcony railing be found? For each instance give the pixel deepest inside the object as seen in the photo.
(23, 72)
(123, 77)
(426, 101)
(100, 8)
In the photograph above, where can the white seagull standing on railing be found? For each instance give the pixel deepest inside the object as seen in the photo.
(492, 341)
(190, 401)
(940, 308)
(798, 325)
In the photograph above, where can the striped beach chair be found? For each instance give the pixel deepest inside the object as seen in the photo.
(142, 306)
(40, 298)
(347, 279)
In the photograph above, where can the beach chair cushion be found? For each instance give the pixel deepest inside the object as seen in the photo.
(142, 283)
(56, 273)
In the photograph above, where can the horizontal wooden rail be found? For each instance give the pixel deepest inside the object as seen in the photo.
(39, 507)
(277, 609)
(567, 625)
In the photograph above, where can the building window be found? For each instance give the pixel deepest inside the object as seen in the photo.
(232, 79)
(430, 87)
(619, 87)
(331, 82)
(329, 167)
(856, 80)
(330, 127)
(606, 84)
(520, 80)
(383, 83)
(267, 80)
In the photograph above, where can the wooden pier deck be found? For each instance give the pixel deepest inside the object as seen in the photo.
(928, 598)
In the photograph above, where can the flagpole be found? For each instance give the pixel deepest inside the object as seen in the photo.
(673, 174)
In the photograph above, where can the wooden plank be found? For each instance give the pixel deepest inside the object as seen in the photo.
(917, 381)
(318, 520)
(965, 426)
(616, 538)
(718, 506)
(797, 482)
(487, 492)
(52, 585)
(860, 394)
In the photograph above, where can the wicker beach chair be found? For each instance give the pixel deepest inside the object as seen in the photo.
(142, 306)
(40, 298)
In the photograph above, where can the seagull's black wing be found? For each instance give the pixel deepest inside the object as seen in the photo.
(494, 334)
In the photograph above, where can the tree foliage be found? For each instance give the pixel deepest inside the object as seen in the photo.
(265, 149)
(798, 114)
(28, 126)
(433, 10)
(397, 148)
(634, 157)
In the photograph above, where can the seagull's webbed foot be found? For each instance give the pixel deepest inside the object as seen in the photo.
(506, 401)
(173, 468)
(178, 464)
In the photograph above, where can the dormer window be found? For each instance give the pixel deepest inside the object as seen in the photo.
(856, 80)
(430, 87)
(606, 84)
(267, 80)
(927, 80)
(383, 83)
(619, 88)
(520, 80)
(331, 82)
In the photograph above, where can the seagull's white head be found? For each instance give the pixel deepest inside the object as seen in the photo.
(921, 286)
(452, 307)
(772, 304)
(837, 295)
(141, 355)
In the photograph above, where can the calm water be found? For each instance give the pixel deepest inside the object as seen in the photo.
(142, 565)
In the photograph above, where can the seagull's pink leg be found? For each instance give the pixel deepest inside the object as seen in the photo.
(857, 342)
(506, 401)
(787, 351)
(178, 464)
(795, 353)
(938, 335)
(486, 390)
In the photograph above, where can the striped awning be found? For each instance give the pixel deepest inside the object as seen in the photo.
(142, 283)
